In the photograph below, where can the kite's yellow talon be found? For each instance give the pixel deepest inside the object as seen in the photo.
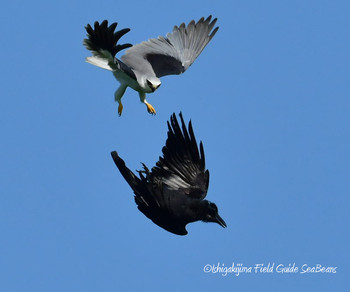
(150, 109)
(120, 109)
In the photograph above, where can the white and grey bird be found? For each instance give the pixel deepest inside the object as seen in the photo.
(143, 64)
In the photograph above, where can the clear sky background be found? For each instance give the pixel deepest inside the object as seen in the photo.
(269, 98)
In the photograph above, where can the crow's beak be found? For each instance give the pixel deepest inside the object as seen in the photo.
(220, 221)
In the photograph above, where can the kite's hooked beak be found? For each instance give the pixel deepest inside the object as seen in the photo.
(155, 87)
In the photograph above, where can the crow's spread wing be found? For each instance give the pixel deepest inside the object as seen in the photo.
(182, 166)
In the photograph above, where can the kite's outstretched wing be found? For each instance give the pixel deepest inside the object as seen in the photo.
(176, 52)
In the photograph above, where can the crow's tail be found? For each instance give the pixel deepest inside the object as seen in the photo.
(128, 175)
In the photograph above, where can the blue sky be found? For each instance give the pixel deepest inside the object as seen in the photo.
(269, 98)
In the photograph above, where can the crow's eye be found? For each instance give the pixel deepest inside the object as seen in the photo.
(213, 206)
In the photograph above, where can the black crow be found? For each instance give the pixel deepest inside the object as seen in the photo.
(172, 193)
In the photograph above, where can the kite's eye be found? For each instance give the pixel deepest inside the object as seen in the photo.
(150, 84)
